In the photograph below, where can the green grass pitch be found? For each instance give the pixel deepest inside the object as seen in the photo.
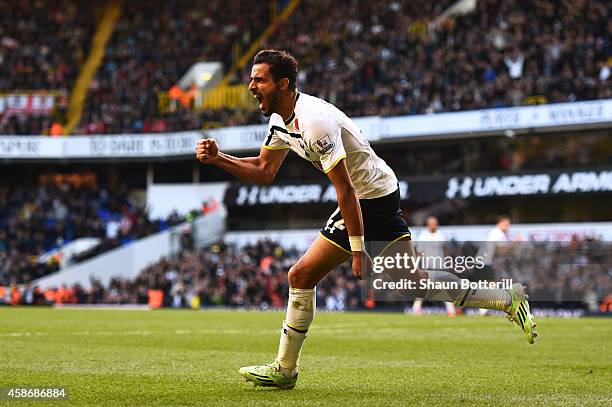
(138, 358)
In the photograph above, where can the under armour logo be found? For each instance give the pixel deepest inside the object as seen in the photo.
(247, 195)
(464, 187)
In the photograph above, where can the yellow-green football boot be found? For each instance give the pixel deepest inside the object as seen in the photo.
(520, 314)
(268, 376)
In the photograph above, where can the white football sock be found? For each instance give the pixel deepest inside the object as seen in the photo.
(497, 299)
(300, 313)
(489, 298)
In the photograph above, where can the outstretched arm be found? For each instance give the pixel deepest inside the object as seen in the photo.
(259, 170)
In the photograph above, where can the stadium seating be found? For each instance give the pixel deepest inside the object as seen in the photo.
(255, 277)
(42, 45)
(152, 46)
(379, 58)
(383, 58)
(36, 219)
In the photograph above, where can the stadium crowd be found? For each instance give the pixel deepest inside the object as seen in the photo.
(37, 219)
(42, 46)
(395, 58)
(152, 47)
(43, 43)
(579, 271)
(385, 58)
(574, 274)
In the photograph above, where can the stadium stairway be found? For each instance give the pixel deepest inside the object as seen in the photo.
(128, 261)
(111, 14)
(255, 45)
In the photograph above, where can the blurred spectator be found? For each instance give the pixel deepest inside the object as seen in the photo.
(384, 58)
(42, 47)
(36, 219)
(574, 274)
(152, 47)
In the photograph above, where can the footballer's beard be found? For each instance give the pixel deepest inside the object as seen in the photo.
(272, 104)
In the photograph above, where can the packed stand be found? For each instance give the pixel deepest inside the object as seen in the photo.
(152, 47)
(42, 46)
(387, 59)
(254, 276)
(399, 58)
(579, 271)
(574, 274)
(35, 220)
(384, 58)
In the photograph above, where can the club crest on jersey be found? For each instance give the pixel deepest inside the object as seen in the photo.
(324, 144)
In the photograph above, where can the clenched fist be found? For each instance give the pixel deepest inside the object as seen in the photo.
(207, 150)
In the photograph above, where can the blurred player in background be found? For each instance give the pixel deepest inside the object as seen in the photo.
(368, 206)
(433, 246)
(496, 244)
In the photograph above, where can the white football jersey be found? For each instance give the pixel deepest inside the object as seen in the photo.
(495, 238)
(322, 134)
(432, 243)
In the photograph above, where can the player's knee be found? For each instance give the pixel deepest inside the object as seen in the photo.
(299, 277)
